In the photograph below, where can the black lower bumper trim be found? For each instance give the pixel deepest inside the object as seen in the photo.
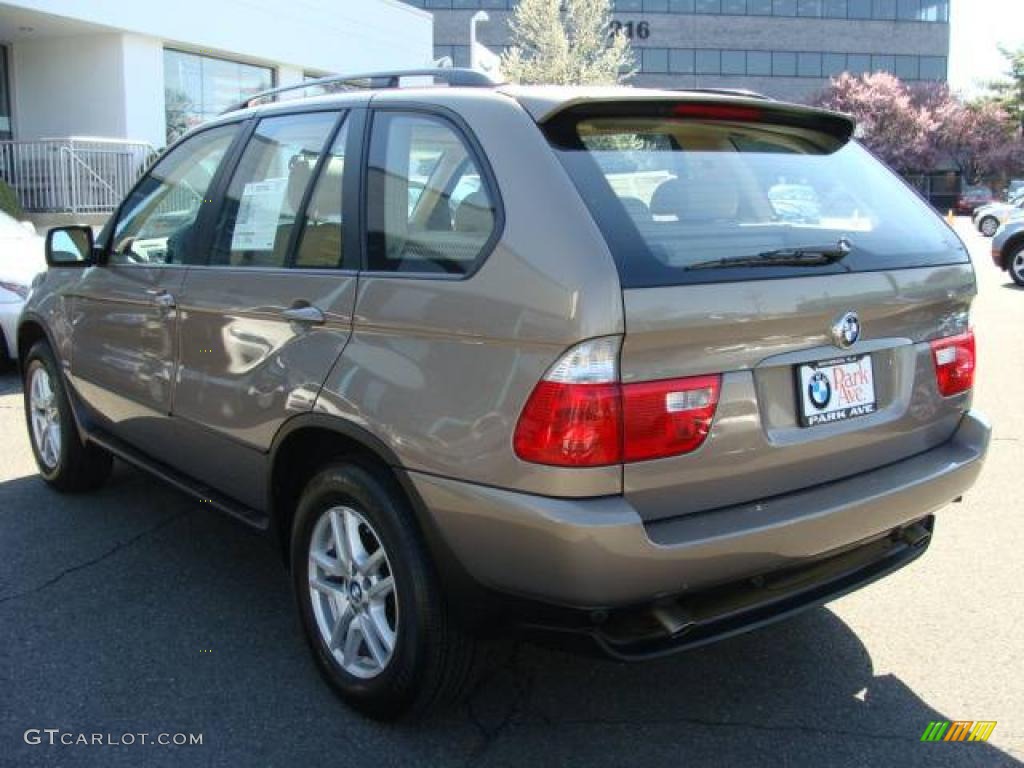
(691, 620)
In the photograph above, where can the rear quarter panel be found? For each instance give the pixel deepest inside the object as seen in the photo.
(440, 369)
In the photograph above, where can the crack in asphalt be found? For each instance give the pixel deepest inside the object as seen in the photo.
(118, 547)
(523, 684)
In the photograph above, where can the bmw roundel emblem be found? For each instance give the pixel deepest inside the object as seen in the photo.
(846, 330)
(819, 390)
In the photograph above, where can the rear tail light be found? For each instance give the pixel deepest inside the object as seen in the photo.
(669, 417)
(954, 363)
(580, 415)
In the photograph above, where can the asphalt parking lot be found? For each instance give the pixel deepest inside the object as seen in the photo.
(136, 610)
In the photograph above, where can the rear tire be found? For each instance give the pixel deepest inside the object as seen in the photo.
(64, 461)
(1015, 265)
(353, 532)
(988, 226)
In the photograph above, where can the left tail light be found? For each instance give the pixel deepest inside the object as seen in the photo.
(580, 415)
(954, 358)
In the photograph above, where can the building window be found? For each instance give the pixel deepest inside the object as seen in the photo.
(907, 68)
(734, 7)
(858, 9)
(709, 62)
(858, 63)
(809, 8)
(734, 62)
(783, 64)
(681, 61)
(883, 63)
(5, 97)
(908, 10)
(759, 7)
(835, 9)
(784, 7)
(809, 65)
(933, 68)
(759, 63)
(709, 6)
(654, 59)
(884, 9)
(681, 6)
(198, 88)
(833, 64)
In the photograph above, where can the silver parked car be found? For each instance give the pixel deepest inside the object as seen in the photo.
(486, 356)
(1008, 249)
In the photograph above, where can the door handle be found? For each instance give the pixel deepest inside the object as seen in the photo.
(306, 314)
(161, 298)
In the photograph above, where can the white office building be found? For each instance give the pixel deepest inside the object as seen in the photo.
(133, 69)
(90, 88)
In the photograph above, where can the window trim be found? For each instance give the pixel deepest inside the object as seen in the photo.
(476, 153)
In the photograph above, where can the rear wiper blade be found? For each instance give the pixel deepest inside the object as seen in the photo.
(784, 257)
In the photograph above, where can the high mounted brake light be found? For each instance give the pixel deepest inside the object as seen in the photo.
(718, 112)
(580, 415)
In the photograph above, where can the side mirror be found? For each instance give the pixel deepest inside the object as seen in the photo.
(69, 247)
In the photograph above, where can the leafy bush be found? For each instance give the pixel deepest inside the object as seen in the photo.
(9, 201)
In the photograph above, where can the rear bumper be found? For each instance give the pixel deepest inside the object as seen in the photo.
(599, 554)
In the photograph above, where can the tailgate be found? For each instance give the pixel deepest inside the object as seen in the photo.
(757, 335)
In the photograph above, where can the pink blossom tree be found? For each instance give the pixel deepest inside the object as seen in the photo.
(923, 127)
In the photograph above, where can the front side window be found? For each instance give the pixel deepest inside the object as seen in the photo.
(428, 208)
(157, 223)
(703, 200)
(255, 224)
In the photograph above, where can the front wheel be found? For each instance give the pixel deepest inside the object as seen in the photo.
(988, 226)
(1015, 266)
(371, 605)
(64, 461)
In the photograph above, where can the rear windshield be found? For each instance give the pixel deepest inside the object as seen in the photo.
(694, 201)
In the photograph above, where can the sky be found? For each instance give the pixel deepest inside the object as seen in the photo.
(977, 29)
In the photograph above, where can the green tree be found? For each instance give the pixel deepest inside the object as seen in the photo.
(566, 42)
(1009, 92)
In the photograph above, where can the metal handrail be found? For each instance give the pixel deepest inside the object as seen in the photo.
(76, 175)
(451, 76)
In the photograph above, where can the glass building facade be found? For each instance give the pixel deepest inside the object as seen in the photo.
(784, 48)
(198, 88)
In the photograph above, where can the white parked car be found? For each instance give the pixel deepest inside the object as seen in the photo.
(990, 217)
(22, 257)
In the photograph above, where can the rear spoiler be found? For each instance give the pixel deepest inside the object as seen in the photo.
(548, 107)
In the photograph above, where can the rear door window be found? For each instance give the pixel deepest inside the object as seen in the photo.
(263, 201)
(695, 201)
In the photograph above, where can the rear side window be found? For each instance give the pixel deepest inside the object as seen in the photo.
(696, 201)
(267, 189)
(429, 210)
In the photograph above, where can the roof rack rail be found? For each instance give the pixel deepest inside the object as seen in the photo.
(730, 92)
(451, 76)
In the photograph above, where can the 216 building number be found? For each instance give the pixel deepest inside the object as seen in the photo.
(640, 30)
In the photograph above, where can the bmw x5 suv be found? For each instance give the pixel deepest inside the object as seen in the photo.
(479, 356)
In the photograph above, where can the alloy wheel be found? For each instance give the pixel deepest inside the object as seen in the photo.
(352, 590)
(46, 432)
(1017, 265)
